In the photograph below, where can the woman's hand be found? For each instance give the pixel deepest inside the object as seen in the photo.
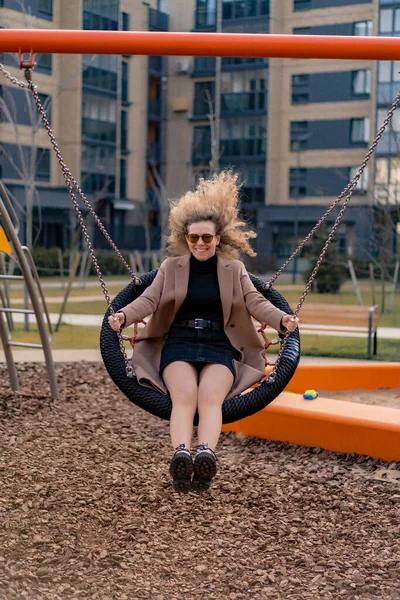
(116, 321)
(290, 322)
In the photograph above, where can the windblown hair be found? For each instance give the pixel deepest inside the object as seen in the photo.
(216, 200)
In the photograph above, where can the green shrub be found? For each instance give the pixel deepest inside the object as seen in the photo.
(46, 261)
(332, 271)
(109, 263)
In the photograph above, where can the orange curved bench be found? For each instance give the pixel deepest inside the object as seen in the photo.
(332, 424)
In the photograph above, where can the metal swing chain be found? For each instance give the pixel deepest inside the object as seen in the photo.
(348, 193)
(347, 190)
(72, 185)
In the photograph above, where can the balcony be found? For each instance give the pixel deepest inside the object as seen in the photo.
(243, 102)
(242, 148)
(154, 109)
(158, 21)
(101, 131)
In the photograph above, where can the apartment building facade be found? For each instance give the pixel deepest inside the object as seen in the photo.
(137, 129)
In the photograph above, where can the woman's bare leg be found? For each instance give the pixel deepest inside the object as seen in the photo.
(215, 383)
(181, 379)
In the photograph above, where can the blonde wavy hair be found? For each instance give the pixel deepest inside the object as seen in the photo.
(215, 200)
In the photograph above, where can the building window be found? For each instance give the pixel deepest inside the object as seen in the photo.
(300, 89)
(122, 179)
(45, 100)
(124, 131)
(387, 181)
(388, 70)
(201, 151)
(126, 22)
(362, 183)
(44, 63)
(243, 9)
(203, 98)
(45, 7)
(43, 164)
(206, 13)
(297, 183)
(302, 5)
(389, 20)
(125, 83)
(362, 28)
(361, 82)
(359, 131)
(299, 135)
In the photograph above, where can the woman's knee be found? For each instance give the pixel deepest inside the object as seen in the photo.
(185, 396)
(210, 398)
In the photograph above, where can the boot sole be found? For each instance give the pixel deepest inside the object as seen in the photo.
(205, 469)
(181, 469)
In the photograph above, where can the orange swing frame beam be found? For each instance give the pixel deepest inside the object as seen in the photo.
(56, 41)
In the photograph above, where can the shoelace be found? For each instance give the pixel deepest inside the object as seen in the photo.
(204, 448)
(182, 448)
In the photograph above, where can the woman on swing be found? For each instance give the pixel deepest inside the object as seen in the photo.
(201, 344)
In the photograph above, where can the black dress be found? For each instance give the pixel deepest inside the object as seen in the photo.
(208, 344)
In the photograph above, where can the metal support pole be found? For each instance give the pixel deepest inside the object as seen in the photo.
(12, 371)
(23, 263)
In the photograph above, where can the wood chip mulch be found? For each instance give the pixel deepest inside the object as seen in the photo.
(87, 510)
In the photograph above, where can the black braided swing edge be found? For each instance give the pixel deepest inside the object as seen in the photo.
(159, 404)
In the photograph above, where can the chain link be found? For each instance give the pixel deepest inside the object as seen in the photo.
(13, 79)
(73, 186)
(347, 193)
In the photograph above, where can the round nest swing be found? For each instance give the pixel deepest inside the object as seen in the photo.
(159, 404)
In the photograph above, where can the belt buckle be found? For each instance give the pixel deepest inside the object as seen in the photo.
(197, 325)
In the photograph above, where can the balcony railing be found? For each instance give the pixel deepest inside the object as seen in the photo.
(243, 102)
(102, 131)
(251, 147)
(158, 20)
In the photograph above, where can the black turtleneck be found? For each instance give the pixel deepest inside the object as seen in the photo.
(203, 299)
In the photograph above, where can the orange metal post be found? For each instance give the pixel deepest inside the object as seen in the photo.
(199, 44)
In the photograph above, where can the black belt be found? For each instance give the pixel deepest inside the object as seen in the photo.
(201, 324)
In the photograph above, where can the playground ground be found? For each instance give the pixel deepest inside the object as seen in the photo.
(88, 511)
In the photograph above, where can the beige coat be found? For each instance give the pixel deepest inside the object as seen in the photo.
(239, 300)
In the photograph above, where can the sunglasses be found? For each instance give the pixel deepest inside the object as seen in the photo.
(194, 237)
